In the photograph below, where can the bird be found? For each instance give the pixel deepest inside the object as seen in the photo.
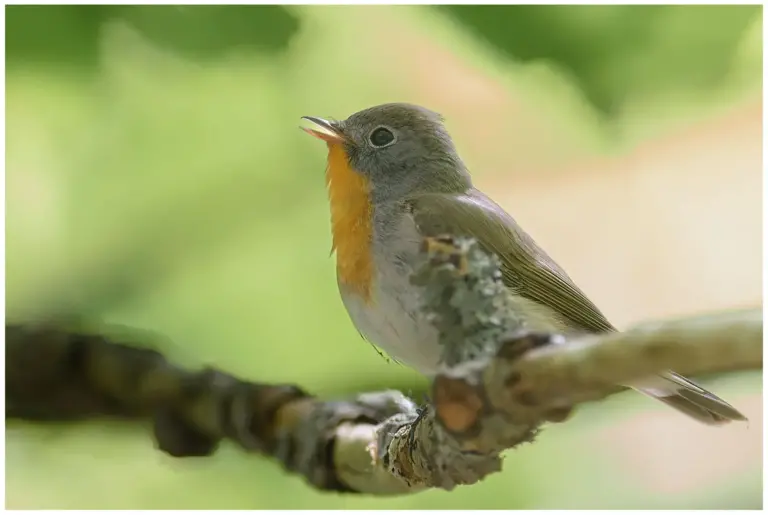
(394, 177)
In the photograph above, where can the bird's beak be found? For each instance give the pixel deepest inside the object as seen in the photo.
(323, 129)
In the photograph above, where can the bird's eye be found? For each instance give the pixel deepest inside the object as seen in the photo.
(381, 137)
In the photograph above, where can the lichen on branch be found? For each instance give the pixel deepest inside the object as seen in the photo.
(499, 385)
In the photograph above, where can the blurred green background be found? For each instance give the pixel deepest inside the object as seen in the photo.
(156, 178)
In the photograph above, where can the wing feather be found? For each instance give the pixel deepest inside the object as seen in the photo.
(526, 268)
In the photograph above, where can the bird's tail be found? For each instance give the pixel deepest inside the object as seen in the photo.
(687, 397)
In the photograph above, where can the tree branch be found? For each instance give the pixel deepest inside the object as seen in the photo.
(498, 386)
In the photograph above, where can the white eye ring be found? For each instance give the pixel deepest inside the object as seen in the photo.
(383, 132)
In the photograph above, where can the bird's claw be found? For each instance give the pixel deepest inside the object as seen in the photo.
(421, 412)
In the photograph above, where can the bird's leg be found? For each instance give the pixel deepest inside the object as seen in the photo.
(421, 412)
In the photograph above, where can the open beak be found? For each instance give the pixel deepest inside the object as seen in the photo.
(323, 129)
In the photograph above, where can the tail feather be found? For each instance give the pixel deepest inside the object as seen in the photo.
(691, 399)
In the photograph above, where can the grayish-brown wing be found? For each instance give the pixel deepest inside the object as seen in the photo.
(526, 268)
(532, 274)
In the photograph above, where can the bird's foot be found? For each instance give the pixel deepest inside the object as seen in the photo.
(421, 412)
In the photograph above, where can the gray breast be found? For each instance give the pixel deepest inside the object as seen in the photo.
(393, 320)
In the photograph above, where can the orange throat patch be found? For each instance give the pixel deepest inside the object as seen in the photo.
(351, 222)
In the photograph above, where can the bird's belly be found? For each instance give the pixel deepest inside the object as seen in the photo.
(392, 320)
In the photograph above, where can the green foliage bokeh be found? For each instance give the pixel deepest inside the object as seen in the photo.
(156, 178)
